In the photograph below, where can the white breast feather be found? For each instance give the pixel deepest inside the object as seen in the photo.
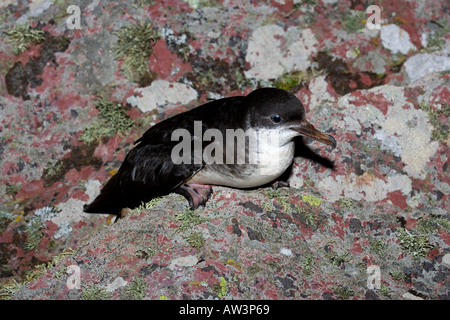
(270, 157)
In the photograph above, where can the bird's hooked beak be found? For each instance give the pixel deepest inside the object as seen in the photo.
(308, 130)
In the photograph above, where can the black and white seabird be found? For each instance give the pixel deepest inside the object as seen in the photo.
(270, 118)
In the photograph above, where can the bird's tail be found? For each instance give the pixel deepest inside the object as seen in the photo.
(109, 200)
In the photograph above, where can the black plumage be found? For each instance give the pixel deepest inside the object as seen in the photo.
(148, 170)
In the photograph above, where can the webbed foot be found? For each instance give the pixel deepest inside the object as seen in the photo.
(196, 194)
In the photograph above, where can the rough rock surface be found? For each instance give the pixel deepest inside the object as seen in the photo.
(376, 226)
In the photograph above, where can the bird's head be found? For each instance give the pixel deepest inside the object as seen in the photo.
(280, 111)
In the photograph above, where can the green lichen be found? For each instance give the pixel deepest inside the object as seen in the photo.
(299, 210)
(213, 75)
(188, 219)
(12, 189)
(398, 61)
(8, 289)
(354, 21)
(221, 288)
(95, 293)
(95, 132)
(310, 219)
(356, 52)
(134, 47)
(433, 225)
(146, 206)
(417, 245)
(279, 197)
(267, 206)
(335, 258)
(398, 275)
(146, 253)
(52, 168)
(308, 263)
(436, 41)
(439, 121)
(195, 4)
(272, 264)
(41, 269)
(35, 234)
(240, 79)
(345, 203)
(378, 247)
(22, 36)
(206, 79)
(385, 290)
(343, 292)
(61, 273)
(195, 239)
(443, 223)
(112, 119)
(311, 200)
(136, 289)
(113, 114)
(290, 80)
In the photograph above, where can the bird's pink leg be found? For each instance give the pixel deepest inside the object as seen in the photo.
(196, 194)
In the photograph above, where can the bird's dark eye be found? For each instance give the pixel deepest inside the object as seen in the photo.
(276, 118)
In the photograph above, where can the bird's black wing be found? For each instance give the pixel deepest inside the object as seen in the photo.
(210, 114)
(148, 170)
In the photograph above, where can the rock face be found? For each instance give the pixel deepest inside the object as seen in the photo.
(272, 51)
(396, 39)
(367, 220)
(423, 64)
(161, 93)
